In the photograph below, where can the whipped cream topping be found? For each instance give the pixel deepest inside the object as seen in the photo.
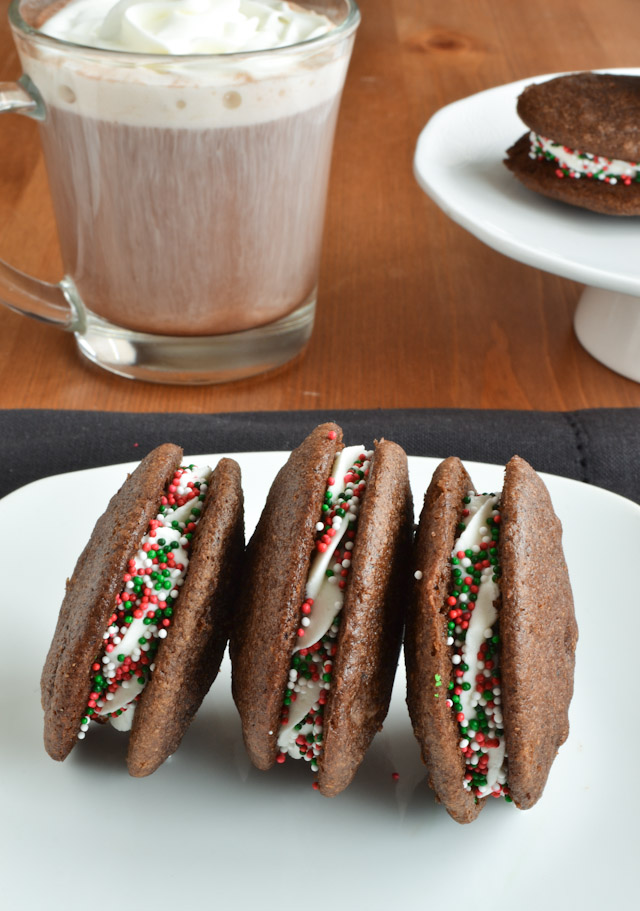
(185, 26)
(197, 92)
(142, 615)
(324, 598)
(576, 164)
(476, 693)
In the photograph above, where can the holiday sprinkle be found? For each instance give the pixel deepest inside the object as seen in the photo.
(300, 734)
(144, 607)
(473, 633)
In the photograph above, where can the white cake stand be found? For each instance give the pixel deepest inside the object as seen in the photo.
(458, 162)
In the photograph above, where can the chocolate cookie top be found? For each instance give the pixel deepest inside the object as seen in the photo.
(90, 596)
(372, 619)
(593, 112)
(596, 195)
(538, 632)
(187, 662)
(427, 655)
(277, 563)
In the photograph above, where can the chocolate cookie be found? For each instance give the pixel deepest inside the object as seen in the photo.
(584, 144)
(538, 631)
(493, 727)
(107, 590)
(355, 659)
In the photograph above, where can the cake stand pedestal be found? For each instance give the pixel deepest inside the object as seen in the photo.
(459, 163)
(607, 324)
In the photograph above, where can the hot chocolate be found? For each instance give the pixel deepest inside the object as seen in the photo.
(189, 191)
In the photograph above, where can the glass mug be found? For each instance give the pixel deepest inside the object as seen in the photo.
(189, 193)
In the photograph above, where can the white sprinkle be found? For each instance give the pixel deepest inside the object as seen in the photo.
(456, 659)
(346, 564)
(305, 621)
(349, 545)
(319, 527)
(449, 640)
(162, 634)
(110, 696)
(488, 633)
(464, 744)
(417, 574)
(81, 735)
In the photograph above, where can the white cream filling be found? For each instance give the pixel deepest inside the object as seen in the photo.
(481, 621)
(127, 639)
(327, 604)
(582, 163)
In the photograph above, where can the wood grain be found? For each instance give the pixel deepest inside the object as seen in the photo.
(413, 311)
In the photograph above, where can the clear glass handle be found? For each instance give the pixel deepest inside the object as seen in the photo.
(20, 292)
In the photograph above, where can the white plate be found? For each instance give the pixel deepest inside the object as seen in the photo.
(458, 162)
(208, 828)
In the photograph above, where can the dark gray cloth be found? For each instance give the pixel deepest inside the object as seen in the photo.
(600, 446)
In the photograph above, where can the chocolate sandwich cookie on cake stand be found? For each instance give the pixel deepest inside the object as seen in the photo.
(583, 141)
(490, 639)
(315, 650)
(147, 612)
(459, 163)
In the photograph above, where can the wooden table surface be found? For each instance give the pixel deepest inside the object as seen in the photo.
(413, 311)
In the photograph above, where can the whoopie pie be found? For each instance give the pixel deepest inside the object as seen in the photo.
(490, 639)
(583, 141)
(147, 610)
(319, 631)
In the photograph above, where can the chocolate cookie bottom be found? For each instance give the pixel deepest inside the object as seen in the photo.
(586, 193)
